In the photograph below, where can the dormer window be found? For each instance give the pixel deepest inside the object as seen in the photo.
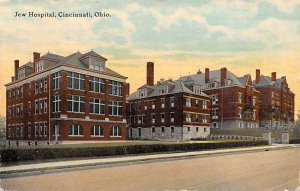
(97, 65)
(21, 73)
(39, 66)
(163, 89)
(212, 85)
(197, 89)
(228, 82)
(142, 93)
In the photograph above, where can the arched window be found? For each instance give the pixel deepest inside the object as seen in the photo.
(76, 130)
(115, 131)
(96, 131)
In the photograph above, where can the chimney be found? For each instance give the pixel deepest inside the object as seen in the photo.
(17, 62)
(199, 72)
(223, 76)
(150, 73)
(12, 78)
(36, 57)
(206, 75)
(128, 89)
(257, 77)
(273, 75)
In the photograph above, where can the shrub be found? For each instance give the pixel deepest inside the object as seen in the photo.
(22, 154)
(295, 141)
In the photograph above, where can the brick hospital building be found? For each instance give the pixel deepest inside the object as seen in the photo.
(65, 99)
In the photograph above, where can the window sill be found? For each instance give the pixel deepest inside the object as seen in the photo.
(97, 136)
(75, 112)
(97, 92)
(115, 136)
(75, 135)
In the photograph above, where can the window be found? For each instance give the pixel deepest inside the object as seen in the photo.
(115, 108)
(29, 108)
(188, 117)
(76, 104)
(56, 103)
(197, 118)
(115, 88)
(204, 104)
(145, 105)
(21, 91)
(76, 130)
(29, 88)
(172, 131)
(36, 106)
(240, 124)
(254, 115)
(45, 84)
(21, 130)
(41, 103)
(115, 131)
(139, 119)
(172, 117)
(41, 130)
(153, 104)
(162, 115)
(197, 103)
(188, 129)
(162, 102)
(143, 119)
(56, 80)
(36, 87)
(45, 129)
(29, 129)
(21, 109)
(188, 102)
(240, 112)
(254, 101)
(172, 101)
(215, 125)
(239, 98)
(76, 81)
(41, 85)
(162, 129)
(153, 131)
(197, 129)
(97, 131)
(97, 106)
(9, 111)
(162, 89)
(215, 99)
(97, 65)
(215, 114)
(212, 85)
(21, 73)
(36, 129)
(97, 85)
(39, 66)
(204, 119)
(204, 129)
(153, 118)
(8, 131)
(17, 130)
(197, 89)
(9, 94)
(142, 93)
(45, 106)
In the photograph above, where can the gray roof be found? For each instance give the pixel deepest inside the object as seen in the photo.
(51, 56)
(243, 80)
(75, 60)
(94, 54)
(177, 86)
(28, 64)
(214, 76)
(267, 81)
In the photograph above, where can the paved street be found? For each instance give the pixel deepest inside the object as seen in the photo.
(271, 170)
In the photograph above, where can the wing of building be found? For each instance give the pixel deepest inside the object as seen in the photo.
(64, 99)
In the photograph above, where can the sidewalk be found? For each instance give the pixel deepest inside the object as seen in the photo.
(118, 160)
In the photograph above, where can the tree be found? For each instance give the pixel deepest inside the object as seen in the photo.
(297, 127)
(2, 128)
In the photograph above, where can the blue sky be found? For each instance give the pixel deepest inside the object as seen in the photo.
(179, 36)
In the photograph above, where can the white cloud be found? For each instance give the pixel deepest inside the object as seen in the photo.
(284, 5)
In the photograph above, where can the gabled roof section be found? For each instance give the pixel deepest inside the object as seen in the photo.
(178, 86)
(93, 54)
(214, 76)
(50, 56)
(245, 80)
(28, 64)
